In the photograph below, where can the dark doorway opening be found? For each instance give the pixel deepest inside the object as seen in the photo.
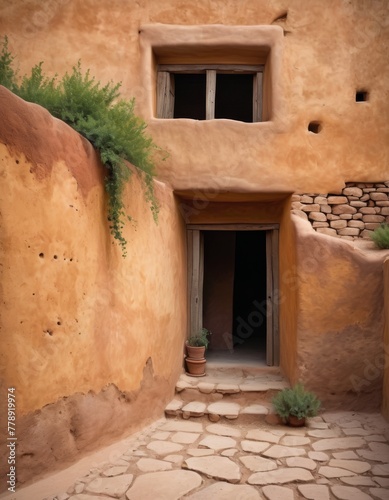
(249, 311)
(234, 295)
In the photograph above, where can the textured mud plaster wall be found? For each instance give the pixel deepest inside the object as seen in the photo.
(340, 318)
(92, 342)
(320, 55)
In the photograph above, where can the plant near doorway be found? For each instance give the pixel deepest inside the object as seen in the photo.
(196, 346)
(294, 405)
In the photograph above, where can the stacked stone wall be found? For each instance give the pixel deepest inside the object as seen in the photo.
(354, 213)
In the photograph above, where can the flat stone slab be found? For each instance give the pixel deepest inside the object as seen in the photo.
(338, 443)
(111, 486)
(164, 447)
(354, 465)
(82, 496)
(254, 410)
(279, 451)
(331, 472)
(218, 442)
(314, 491)
(280, 476)
(218, 467)
(179, 425)
(319, 456)
(349, 493)
(153, 465)
(227, 388)
(305, 463)
(259, 435)
(206, 387)
(277, 493)
(229, 410)
(185, 437)
(195, 408)
(115, 471)
(380, 470)
(345, 455)
(254, 446)
(358, 481)
(169, 485)
(223, 430)
(174, 406)
(200, 452)
(294, 440)
(226, 491)
(323, 433)
(379, 493)
(258, 464)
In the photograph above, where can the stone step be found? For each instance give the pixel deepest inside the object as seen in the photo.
(227, 392)
(217, 410)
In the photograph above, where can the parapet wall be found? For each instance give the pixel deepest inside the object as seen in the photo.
(353, 213)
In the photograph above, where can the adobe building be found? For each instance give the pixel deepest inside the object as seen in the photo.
(274, 117)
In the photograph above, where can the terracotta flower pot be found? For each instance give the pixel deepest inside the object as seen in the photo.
(195, 367)
(293, 421)
(195, 352)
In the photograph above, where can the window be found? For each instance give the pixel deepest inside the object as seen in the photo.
(208, 92)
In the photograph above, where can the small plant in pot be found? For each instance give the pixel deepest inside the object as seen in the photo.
(295, 405)
(195, 348)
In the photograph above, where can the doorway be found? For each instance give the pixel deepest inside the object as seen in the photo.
(232, 278)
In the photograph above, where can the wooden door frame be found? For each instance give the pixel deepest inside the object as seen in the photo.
(195, 239)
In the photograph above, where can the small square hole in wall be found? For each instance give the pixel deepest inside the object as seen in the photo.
(314, 127)
(361, 96)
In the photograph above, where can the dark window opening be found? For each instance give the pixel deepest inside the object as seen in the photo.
(361, 96)
(189, 99)
(234, 97)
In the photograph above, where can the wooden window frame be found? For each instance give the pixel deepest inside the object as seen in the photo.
(166, 89)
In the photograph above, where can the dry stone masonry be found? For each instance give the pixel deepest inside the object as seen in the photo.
(354, 213)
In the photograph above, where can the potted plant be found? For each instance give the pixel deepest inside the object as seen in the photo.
(195, 348)
(296, 404)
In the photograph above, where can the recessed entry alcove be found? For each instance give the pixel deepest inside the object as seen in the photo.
(233, 275)
(238, 244)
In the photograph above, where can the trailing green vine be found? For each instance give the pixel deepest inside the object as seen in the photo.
(98, 113)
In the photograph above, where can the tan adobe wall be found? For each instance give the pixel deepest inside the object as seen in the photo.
(320, 57)
(353, 213)
(340, 318)
(92, 342)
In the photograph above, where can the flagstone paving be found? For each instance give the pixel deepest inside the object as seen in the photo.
(339, 455)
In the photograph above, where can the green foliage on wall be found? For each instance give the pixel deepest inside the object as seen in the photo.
(380, 236)
(97, 113)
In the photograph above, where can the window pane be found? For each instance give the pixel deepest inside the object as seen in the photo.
(189, 99)
(234, 97)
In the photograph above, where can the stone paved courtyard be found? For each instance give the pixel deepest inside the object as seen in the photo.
(340, 455)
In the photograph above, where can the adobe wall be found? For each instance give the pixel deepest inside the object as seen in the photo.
(91, 341)
(320, 56)
(340, 318)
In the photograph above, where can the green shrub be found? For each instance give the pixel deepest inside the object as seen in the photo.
(380, 236)
(296, 401)
(200, 338)
(97, 113)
